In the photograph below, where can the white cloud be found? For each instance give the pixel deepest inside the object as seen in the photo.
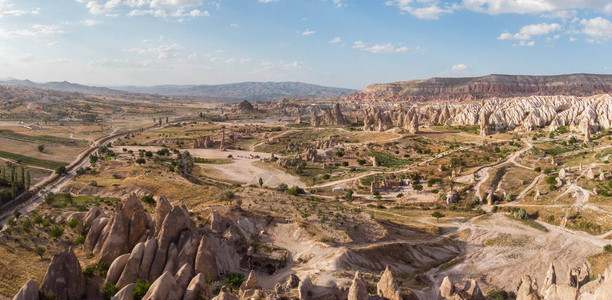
(284, 66)
(553, 38)
(119, 63)
(525, 44)
(335, 40)
(597, 28)
(160, 51)
(457, 70)
(308, 32)
(339, 3)
(572, 39)
(527, 32)
(6, 10)
(90, 22)
(181, 12)
(495, 7)
(421, 9)
(156, 8)
(267, 1)
(36, 30)
(382, 48)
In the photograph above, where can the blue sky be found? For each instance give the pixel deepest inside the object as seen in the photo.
(346, 43)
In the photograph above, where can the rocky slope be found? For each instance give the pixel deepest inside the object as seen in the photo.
(465, 89)
(582, 114)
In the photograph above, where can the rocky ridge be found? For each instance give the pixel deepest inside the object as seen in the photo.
(586, 115)
(473, 88)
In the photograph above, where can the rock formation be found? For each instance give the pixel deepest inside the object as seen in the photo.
(359, 289)
(64, 278)
(466, 89)
(387, 287)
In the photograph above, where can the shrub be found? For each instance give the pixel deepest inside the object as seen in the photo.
(283, 187)
(56, 231)
(348, 195)
(234, 280)
(140, 289)
(26, 225)
(61, 170)
(148, 199)
(295, 190)
(93, 183)
(40, 251)
(417, 187)
(38, 219)
(608, 248)
(73, 223)
(140, 161)
(41, 148)
(538, 169)
(88, 272)
(79, 240)
(109, 290)
(520, 214)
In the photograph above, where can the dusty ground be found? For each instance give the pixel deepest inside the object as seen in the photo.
(245, 166)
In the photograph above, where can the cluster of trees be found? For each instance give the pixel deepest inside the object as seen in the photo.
(16, 180)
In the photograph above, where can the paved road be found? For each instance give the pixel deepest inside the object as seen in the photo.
(54, 184)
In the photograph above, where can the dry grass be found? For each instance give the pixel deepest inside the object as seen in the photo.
(599, 262)
(507, 240)
(18, 266)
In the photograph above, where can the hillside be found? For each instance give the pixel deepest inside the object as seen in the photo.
(473, 88)
(224, 92)
(246, 90)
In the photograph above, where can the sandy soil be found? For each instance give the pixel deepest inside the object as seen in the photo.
(245, 168)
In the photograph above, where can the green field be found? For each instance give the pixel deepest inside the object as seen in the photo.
(43, 163)
(9, 134)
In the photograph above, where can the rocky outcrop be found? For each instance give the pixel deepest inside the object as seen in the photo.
(205, 262)
(466, 89)
(64, 278)
(387, 287)
(359, 289)
(245, 107)
(126, 227)
(164, 288)
(198, 288)
(470, 290)
(28, 292)
(249, 287)
(528, 289)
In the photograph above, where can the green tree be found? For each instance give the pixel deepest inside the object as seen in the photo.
(40, 251)
(348, 195)
(41, 148)
(437, 215)
(260, 182)
(61, 170)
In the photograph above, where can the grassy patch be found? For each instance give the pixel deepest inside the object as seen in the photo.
(214, 161)
(387, 160)
(507, 240)
(9, 134)
(599, 262)
(43, 163)
(78, 203)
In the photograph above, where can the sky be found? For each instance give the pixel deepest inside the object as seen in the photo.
(343, 43)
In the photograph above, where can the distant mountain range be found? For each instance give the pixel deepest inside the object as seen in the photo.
(246, 90)
(229, 92)
(473, 88)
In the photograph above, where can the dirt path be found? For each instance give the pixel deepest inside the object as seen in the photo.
(341, 181)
